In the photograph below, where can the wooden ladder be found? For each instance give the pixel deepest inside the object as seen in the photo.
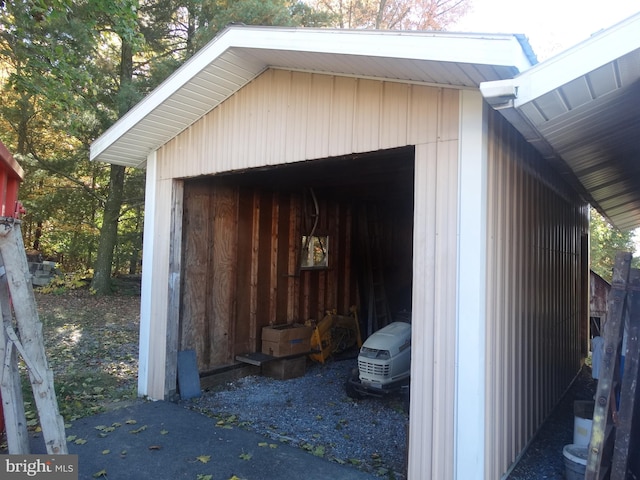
(608, 453)
(378, 311)
(24, 336)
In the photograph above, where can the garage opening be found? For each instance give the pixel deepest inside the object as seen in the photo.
(288, 243)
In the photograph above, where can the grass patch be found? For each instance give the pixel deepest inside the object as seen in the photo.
(91, 344)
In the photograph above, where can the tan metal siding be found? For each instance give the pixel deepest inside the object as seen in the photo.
(284, 117)
(534, 298)
(290, 116)
(431, 446)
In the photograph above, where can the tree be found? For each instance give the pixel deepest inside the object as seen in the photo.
(393, 14)
(68, 70)
(57, 97)
(606, 242)
(185, 28)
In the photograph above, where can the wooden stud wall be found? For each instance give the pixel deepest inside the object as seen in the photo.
(241, 268)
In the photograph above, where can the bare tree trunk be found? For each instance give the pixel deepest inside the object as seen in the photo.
(380, 14)
(101, 283)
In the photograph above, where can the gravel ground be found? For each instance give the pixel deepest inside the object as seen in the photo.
(313, 412)
(543, 459)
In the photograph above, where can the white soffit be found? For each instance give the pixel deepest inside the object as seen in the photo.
(240, 53)
(581, 110)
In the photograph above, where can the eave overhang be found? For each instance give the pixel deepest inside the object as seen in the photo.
(240, 53)
(581, 111)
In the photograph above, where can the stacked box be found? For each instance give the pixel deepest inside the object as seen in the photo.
(285, 340)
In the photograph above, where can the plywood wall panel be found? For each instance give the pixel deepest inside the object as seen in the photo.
(245, 331)
(195, 331)
(223, 268)
(241, 271)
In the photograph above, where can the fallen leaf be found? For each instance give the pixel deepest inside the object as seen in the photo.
(204, 477)
(106, 452)
(100, 427)
(131, 422)
(138, 430)
(71, 438)
(80, 441)
(263, 444)
(204, 458)
(164, 432)
(245, 456)
(155, 447)
(273, 445)
(101, 473)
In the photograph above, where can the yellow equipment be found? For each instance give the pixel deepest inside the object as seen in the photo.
(335, 334)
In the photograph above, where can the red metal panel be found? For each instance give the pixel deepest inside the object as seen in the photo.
(11, 174)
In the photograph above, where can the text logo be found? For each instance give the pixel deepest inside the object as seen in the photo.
(49, 467)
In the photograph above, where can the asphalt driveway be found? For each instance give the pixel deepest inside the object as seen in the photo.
(161, 440)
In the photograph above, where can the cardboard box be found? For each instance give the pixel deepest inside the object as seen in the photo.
(285, 368)
(285, 340)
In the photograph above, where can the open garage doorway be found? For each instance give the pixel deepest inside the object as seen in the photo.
(244, 263)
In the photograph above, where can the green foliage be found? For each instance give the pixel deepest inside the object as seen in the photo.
(68, 70)
(606, 242)
(63, 283)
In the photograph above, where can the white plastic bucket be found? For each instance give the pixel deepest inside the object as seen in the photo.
(582, 431)
(575, 461)
(583, 422)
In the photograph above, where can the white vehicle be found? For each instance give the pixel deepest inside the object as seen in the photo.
(384, 362)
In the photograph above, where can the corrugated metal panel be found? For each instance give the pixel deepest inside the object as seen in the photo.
(303, 116)
(239, 54)
(431, 445)
(534, 303)
(580, 111)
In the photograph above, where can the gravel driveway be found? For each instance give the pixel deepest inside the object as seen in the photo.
(314, 413)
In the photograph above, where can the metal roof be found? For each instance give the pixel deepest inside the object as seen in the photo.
(240, 53)
(581, 110)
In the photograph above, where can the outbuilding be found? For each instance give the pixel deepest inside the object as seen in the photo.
(475, 167)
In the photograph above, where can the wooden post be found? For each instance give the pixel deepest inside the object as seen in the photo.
(621, 452)
(10, 385)
(30, 328)
(602, 428)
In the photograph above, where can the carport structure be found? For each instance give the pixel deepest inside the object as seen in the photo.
(483, 211)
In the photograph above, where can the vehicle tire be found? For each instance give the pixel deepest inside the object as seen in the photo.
(350, 389)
